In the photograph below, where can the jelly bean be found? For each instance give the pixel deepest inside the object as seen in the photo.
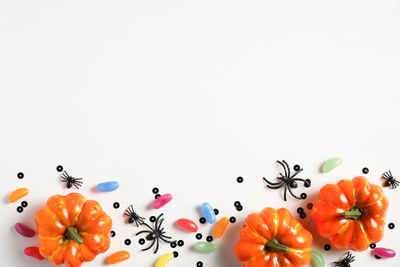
(208, 212)
(220, 227)
(24, 230)
(330, 164)
(164, 259)
(317, 260)
(118, 256)
(188, 225)
(17, 194)
(384, 252)
(107, 186)
(205, 247)
(161, 201)
(33, 252)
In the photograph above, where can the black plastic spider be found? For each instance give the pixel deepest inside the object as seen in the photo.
(390, 181)
(288, 180)
(71, 181)
(133, 216)
(155, 234)
(349, 258)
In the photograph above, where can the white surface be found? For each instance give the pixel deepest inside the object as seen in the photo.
(188, 95)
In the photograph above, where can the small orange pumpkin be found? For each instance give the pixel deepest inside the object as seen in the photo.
(72, 229)
(351, 213)
(273, 238)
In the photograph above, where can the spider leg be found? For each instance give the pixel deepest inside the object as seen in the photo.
(288, 168)
(284, 194)
(163, 238)
(274, 187)
(127, 211)
(270, 183)
(297, 172)
(298, 179)
(281, 177)
(151, 245)
(159, 224)
(77, 186)
(148, 226)
(140, 220)
(136, 222)
(158, 244)
(156, 223)
(350, 257)
(291, 192)
(284, 168)
(77, 179)
(144, 231)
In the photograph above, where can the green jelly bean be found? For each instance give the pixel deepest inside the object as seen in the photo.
(330, 164)
(317, 260)
(205, 247)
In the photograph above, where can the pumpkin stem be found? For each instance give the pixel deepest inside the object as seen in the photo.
(72, 234)
(274, 246)
(354, 213)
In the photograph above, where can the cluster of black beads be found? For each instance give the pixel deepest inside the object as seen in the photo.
(156, 191)
(301, 212)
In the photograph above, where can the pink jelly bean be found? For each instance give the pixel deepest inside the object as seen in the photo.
(33, 252)
(24, 230)
(384, 252)
(161, 201)
(187, 224)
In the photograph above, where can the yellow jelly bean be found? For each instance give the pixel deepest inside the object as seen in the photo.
(118, 256)
(164, 259)
(220, 227)
(17, 194)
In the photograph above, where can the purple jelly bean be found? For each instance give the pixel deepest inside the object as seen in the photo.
(24, 230)
(384, 252)
(161, 201)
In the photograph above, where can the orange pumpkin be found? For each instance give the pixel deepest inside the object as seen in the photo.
(72, 229)
(351, 213)
(273, 238)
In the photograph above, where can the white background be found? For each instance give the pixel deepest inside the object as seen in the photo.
(188, 95)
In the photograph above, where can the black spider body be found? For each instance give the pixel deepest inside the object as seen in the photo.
(151, 236)
(289, 180)
(133, 216)
(155, 234)
(345, 262)
(71, 181)
(390, 181)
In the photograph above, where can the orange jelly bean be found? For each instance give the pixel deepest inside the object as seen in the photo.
(220, 227)
(17, 194)
(118, 256)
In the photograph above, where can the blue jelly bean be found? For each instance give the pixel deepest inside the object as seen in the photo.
(107, 186)
(208, 212)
